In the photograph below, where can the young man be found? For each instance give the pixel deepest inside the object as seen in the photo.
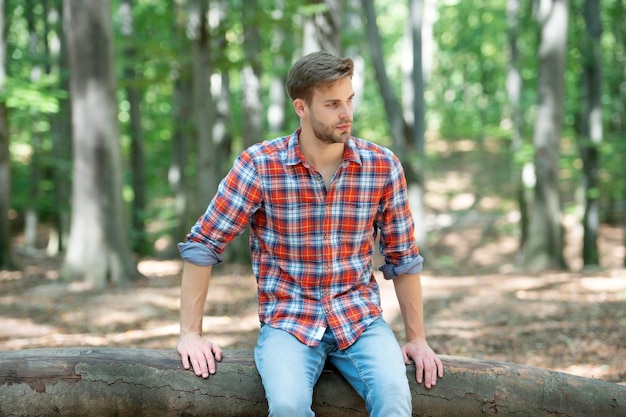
(315, 202)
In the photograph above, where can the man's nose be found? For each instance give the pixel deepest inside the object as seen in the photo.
(345, 110)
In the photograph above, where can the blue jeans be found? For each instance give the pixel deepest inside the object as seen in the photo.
(373, 365)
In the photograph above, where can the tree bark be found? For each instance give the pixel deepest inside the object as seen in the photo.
(591, 135)
(417, 163)
(208, 168)
(98, 249)
(251, 88)
(61, 135)
(134, 382)
(514, 85)
(322, 28)
(545, 238)
(400, 134)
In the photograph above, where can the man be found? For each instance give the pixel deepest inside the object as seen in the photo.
(315, 202)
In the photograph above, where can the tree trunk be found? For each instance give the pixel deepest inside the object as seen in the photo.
(591, 134)
(140, 243)
(416, 12)
(417, 163)
(252, 103)
(31, 217)
(98, 250)
(545, 243)
(514, 93)
(322, 28)
(398, 128)
(6, 258)
(132, 382)
(277, 101)
(401, 134)
(61, 134)
(208, 172)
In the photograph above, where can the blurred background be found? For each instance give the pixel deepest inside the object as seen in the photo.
(118, 118)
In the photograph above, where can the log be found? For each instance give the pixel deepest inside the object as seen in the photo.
(142, 382)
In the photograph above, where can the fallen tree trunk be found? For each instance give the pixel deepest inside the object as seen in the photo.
(134, 382)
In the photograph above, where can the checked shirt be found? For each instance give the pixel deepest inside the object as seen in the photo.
(312, 248)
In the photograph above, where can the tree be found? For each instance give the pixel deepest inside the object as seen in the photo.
(401, 133)
(590, 136)
(141, 382)
(98, 249)
(514, 90)
(37, 161)
(417, 187)
(6, 258)
(545, 240)
(61, 136)
(137, 159)
(322, 27)
(208, 168)
(398, 127)
(252, 104)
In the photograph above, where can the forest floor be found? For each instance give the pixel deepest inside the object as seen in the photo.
(477, 303)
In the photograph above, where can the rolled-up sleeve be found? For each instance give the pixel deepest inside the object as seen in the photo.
(391, 271)
(395, 221)
(199, 254)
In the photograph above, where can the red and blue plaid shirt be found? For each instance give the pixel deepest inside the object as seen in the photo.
(312, 248)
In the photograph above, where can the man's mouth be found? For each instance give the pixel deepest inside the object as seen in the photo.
(344, 127)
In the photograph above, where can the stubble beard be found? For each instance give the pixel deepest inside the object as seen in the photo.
(325, 133)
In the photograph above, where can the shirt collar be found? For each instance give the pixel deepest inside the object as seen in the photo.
(294, 156)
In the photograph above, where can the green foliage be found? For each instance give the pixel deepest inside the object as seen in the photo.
(470, 68)
(465, 93)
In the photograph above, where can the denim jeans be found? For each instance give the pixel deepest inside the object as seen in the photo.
(373, 365)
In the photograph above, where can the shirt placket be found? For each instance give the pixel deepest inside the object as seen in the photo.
(332, 197)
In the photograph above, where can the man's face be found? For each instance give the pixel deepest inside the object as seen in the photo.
(330, 112)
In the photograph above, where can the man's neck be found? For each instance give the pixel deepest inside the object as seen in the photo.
(319, 154)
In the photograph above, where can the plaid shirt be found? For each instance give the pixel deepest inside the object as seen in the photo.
(312, 248)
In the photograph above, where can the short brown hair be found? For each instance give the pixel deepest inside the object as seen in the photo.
(316, 70)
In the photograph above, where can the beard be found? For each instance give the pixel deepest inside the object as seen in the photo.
(326, 133)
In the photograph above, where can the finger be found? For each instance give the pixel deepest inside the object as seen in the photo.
(439, 367)
(405, 357)
(217, 352)
(210, 365)
(419, 370)
(430, 376)
(184, 357)
(199, 365)
(211, 354)
(185, 360)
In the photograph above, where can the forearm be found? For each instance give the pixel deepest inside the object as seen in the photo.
(194, 289)
(409, 293)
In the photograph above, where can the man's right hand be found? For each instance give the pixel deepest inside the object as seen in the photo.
(199, 353)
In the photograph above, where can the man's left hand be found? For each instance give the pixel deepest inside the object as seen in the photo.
(427, 365)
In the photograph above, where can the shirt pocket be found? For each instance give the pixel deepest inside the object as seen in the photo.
(357, 217)
(295, 223)
(355, 228)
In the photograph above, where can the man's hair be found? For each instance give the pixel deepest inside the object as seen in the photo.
(315, 70)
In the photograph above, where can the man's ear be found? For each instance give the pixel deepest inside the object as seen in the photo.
(300, 107)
